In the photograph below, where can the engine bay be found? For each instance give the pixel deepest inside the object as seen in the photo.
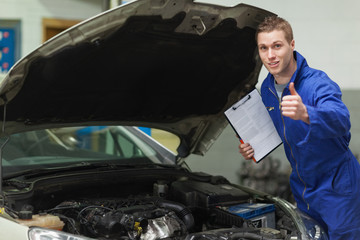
(161, 209)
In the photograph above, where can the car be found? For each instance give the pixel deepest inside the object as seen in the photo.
(76, 162)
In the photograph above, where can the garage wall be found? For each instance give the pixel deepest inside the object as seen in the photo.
(31, 12)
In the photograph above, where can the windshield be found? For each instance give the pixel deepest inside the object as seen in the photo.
(68, 146)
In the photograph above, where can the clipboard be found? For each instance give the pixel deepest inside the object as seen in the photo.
(252, 123)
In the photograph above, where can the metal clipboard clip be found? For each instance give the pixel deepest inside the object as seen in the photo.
(240, 104)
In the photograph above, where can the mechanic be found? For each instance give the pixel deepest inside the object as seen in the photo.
(314, 124)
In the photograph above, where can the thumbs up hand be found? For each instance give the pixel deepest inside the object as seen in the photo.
(293, 107)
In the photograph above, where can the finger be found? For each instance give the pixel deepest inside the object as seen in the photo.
(249, 151)
(290, 98)
(246, 151)
(289, 105)
(248, 156)
(289, 108)
(290, 114)
(292, 89)
(244, 147)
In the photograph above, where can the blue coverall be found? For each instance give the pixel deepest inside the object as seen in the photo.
(325, 177)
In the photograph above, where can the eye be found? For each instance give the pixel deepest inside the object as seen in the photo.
(277, 45)
(262, 48)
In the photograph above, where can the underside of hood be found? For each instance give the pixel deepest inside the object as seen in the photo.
(173, 65)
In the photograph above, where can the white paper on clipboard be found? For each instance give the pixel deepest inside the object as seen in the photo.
(251, 121)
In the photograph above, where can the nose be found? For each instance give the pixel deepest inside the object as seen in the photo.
(270, 53)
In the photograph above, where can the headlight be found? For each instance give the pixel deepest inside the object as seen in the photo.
(313, 229)
(48, 234)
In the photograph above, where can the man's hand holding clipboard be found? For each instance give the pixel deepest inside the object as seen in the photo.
(252, 123)
(246, 150)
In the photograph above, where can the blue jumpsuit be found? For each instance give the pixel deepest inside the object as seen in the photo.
(325, 177)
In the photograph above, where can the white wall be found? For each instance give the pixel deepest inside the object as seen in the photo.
(326, 32)
(31, 13)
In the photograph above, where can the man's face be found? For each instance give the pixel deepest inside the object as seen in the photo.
(276, 53)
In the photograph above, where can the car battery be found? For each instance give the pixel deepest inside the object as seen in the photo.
(259, 214)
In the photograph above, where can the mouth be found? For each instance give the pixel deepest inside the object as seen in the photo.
(273, 64)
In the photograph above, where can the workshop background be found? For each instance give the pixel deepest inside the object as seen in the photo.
(327, 33)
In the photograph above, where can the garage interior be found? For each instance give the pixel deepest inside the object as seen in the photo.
(326, 33)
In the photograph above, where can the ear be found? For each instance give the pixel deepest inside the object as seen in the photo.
(292, 44)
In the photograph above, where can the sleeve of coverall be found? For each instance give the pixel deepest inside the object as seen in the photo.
(329, 117)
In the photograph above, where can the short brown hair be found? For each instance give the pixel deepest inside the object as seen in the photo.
(276, 23)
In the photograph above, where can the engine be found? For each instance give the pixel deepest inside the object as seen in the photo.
(187, 209)
(131, 218)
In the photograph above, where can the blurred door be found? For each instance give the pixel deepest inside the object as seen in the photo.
(53, 26)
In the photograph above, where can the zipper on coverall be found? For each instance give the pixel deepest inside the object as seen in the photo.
(296, 164)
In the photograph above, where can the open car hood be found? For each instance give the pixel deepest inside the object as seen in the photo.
(172, 65)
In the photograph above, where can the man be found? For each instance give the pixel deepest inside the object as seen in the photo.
(313, 122)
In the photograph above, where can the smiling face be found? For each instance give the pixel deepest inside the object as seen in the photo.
(276, 53)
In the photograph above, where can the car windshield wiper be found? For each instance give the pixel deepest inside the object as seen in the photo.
(80, 166)
(45, 171)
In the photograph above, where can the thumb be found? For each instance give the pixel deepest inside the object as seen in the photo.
(292, 89)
